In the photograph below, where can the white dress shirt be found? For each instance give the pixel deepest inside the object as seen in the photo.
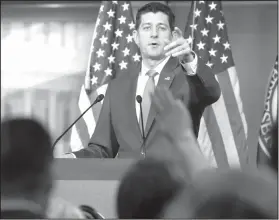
(190, 67)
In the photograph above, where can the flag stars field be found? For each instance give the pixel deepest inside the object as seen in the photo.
(122, 19)
(125, 6)
(129, 38)
(136, 57)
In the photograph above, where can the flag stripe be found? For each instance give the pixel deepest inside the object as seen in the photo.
(83, 127)
(221, 111)
(88, 117)
(235, 120)
(75, 141)
(82, 131)
(97, 108)
(206, 148)
(215, 135)
(236, 90)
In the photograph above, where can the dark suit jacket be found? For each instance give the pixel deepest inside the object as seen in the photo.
(117, 130)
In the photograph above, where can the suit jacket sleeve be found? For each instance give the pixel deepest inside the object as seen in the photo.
(206, 87)
(103, 143)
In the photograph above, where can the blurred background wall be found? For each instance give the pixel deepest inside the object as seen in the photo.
(45, 48)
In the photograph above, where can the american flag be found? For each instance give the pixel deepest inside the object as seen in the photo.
(112, 53)
(269, 116)
(223, 128)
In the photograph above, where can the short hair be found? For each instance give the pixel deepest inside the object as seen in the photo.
(26, 154)
(232, 194)
(156, 7)
(147, 187)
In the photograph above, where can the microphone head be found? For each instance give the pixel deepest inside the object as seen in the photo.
(100, 98)
(90, 212)
(139, 99)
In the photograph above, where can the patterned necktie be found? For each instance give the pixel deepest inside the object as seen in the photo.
(146, 99)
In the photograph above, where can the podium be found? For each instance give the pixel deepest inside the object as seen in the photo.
(91, 169)
(91, 182)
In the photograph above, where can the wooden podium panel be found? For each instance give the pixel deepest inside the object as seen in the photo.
(91, 169)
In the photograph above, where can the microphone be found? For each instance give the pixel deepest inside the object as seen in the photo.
(98, 99)
(139, 100)
(90, 213)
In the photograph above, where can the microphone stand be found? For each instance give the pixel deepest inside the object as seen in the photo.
(98, 99)
(142, 151)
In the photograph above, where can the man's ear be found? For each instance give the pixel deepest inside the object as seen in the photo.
(136, 37)
(177, 33)
(174, 35)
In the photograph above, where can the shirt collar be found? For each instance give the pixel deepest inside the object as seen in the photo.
(158, 68)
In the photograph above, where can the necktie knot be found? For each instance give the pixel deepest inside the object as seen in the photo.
(152, 73)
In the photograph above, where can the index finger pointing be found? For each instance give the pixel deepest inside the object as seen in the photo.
(170, 45)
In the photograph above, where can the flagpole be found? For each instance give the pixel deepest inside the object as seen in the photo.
(193, 22)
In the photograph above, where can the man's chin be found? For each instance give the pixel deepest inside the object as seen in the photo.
(157, 56)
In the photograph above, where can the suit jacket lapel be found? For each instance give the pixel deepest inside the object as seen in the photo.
(165, 79)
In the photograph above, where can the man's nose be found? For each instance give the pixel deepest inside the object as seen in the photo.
(154, 32)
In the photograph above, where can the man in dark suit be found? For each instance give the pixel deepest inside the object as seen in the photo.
(167, 60)
(26, 169)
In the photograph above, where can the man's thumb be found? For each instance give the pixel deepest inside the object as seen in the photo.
(178, 32)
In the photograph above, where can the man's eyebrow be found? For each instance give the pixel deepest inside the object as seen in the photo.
(145, 23)
(148, 23)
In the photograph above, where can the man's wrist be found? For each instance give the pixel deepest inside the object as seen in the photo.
(188, 57)
(189, 63)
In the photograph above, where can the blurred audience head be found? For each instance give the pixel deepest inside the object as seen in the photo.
(26, 159)
(147, 187)
(229, 195)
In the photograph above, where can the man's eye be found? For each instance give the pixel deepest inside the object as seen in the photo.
(162, 27)
(146, 28)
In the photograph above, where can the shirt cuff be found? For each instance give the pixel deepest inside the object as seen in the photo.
(191, 67)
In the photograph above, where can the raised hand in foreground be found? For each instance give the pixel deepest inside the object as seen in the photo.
(176, 124)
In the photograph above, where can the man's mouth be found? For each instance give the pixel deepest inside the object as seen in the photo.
(154, 44)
